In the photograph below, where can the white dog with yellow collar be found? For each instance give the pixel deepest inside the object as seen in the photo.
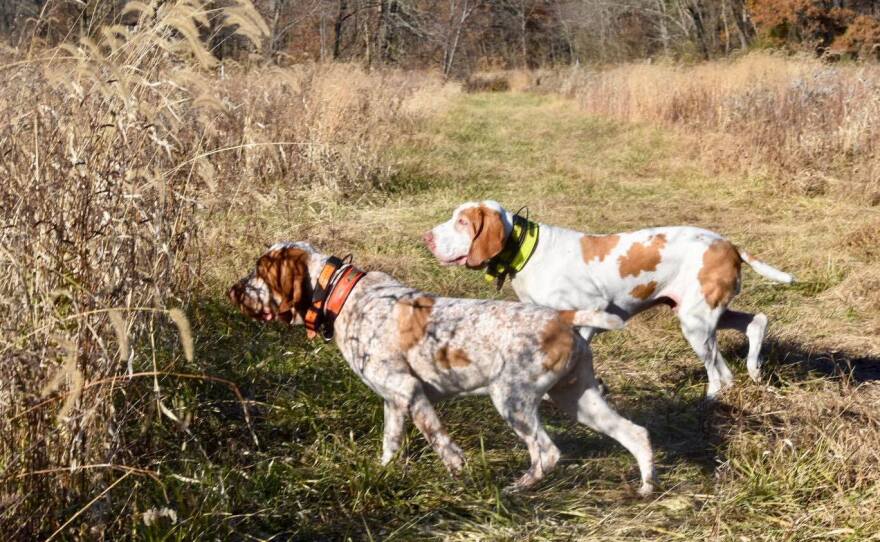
(694, 271)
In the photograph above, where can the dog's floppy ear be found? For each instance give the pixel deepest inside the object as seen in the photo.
(285, 272)
(488, 235)
(235, 292)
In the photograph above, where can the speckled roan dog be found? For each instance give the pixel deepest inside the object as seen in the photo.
(412, 348)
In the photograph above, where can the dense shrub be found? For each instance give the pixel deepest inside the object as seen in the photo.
(112, 153)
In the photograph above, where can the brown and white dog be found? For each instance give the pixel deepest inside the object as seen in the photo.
(412, 348)
(695, 271)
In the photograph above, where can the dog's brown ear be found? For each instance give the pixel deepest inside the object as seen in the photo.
(488, 235)
(248, 305)
(285, 272)
(234, 293)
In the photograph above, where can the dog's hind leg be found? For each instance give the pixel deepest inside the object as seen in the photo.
(698, 324)
(581, 400)
(754, 326)
(425, 418)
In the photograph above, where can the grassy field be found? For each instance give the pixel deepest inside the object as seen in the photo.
(141, 175)
(795, 459)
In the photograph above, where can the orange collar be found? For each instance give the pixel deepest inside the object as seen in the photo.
(334, 285)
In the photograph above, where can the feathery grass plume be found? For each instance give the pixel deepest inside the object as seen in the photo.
(70, 373)
(183, 18)
(119, 328)
(114, 37)
(186, 338)
(76, 386)
(64, 372)
(247, 20)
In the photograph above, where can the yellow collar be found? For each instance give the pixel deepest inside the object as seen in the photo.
(517, 251)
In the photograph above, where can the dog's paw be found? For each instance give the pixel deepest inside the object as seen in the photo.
(453, 459)
(755, 372)
(525, 481)
(386, 458)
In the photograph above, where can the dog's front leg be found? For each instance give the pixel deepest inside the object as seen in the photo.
(425, 418)
(406, 394)
(395, 417)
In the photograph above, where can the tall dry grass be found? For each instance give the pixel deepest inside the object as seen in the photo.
(112, 152)
(815, 125)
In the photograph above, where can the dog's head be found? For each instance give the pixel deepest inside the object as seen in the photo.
(474, 235)
(280, 287)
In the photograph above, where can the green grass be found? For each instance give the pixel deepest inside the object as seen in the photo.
(762, 463)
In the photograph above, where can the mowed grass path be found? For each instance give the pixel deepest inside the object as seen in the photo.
(789, 459)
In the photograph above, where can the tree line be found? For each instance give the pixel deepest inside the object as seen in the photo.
(459, 36)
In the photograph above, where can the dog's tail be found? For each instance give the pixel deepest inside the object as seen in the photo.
(765, 270)
(596, 318)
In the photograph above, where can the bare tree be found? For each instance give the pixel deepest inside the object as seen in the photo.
(522, 11)
(459, 13)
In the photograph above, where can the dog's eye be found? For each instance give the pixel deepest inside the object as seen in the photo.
(463, 221)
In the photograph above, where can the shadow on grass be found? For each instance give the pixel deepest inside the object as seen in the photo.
(808, 362)
(694, 430)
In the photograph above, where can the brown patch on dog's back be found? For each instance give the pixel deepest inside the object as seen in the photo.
(452, 357)
(412, 320)
(641, 257)
(597, 246)
(557, 340)
(720, 272)
(644, 291)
